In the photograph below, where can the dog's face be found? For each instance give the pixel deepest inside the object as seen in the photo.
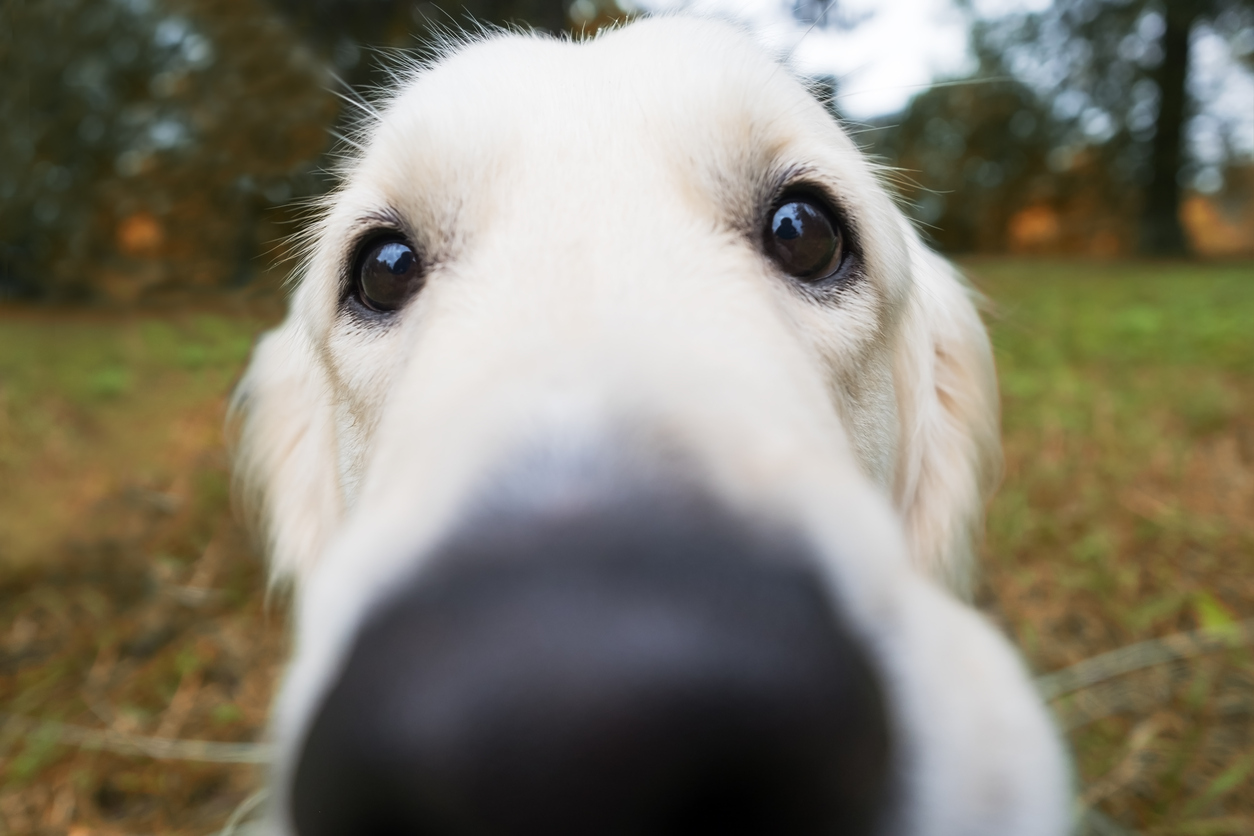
(621, 441)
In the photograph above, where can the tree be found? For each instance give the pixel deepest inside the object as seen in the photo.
(1117, 74)
(143, 139)
(969, 156)
(1161, 232)
(344, 31)
(149, 144)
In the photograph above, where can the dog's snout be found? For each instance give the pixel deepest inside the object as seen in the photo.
(625, 672)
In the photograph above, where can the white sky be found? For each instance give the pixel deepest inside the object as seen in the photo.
(904, 45)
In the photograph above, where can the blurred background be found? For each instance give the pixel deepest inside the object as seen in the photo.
(1090, 163)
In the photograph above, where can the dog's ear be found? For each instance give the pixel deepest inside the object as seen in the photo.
(950, 460)
(281, 425)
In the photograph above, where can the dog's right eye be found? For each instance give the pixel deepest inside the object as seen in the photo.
(387, 273)
(804, 239)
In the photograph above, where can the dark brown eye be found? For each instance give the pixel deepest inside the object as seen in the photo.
(804, 240)
(387, 274)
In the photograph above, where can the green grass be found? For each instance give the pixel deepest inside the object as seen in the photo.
(90, 360)
(1127, 509)
(113, 497)
(1126, 512)
(89, 402)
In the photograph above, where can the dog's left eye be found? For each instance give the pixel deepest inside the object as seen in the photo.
(804, 240)
(388, 273)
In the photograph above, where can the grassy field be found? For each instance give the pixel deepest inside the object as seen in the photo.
(130, 599)
(1126, 512)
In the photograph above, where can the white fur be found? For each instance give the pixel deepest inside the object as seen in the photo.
(585, 209)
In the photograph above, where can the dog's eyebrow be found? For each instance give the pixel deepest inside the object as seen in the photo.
(810, 178)
(385, 217)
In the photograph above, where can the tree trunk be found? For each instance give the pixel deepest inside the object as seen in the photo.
(1161, 231)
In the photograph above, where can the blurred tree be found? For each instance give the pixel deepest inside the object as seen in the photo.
(1116, 72)
(142, 140)
(981, 150)
(148, 143)
(345, 31)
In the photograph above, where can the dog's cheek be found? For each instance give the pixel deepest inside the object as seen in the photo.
(870, 414)
(853, 354)
(284, 451)
(363, 366)
(351, 449)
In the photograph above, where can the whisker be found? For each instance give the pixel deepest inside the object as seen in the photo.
(962, 82)
(358, 102)
(827, 7)
(346, 139)
(864, 128)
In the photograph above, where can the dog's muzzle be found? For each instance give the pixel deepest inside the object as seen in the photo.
(643, 669)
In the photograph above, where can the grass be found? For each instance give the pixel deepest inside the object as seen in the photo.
(89, 405)
(1127, 511)
(130, 599)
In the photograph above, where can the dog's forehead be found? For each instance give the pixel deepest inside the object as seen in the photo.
(692, 101)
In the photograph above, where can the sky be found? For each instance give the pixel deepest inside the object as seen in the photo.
(902, 46)
(897, 48)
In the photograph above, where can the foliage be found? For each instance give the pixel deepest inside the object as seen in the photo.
(1075, 116)
(1116, 72)
(954, 140)
(154, 145)
(1098, 64)
(144, 141)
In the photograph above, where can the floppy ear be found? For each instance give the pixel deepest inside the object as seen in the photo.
(285, 451)
(950, 459)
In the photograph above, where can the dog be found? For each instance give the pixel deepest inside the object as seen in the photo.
(626, 450)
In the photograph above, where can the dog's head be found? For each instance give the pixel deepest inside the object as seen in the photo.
(620, 442)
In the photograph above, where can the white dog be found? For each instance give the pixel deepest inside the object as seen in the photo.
(627, 450)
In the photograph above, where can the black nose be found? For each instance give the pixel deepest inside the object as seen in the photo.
(622, 673)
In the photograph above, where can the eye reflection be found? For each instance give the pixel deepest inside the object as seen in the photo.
(803, 240)
(388, 274)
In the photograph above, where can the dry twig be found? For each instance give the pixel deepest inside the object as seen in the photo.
(160, 748)
(1146, 654)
